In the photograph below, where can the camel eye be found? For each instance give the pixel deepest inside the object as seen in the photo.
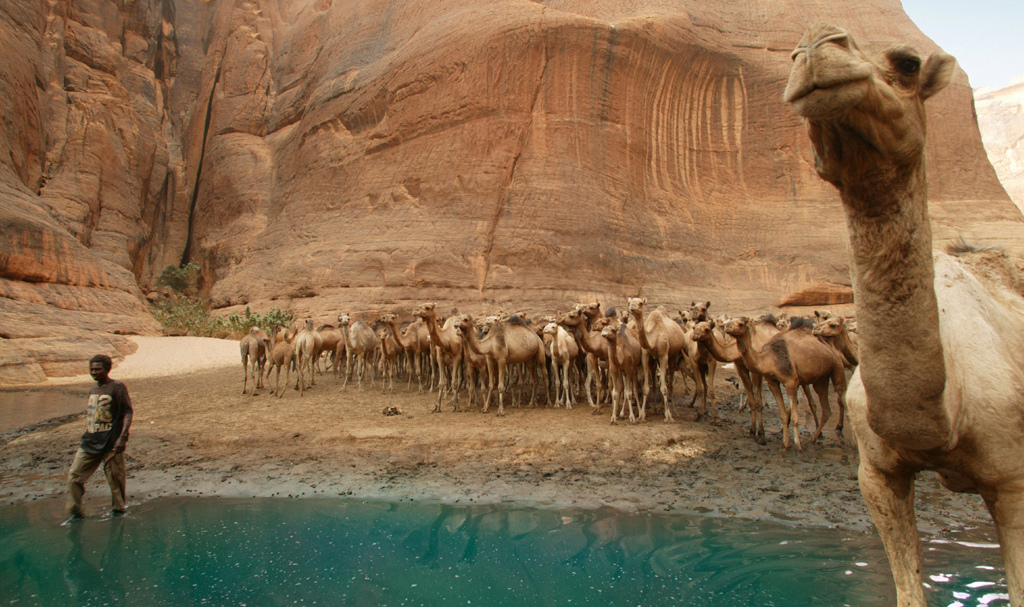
(909, 66)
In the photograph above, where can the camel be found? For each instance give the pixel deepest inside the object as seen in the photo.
(360, 344)
(281, 355)
(254, 357)
(596, 349)
(793, 358)
(703, 333)
(507, 342)
(389, 350)
(941, 336)
(304, 343)
(447, 352)
(416, 341)
(624, 360)
(330, 337)
(564, 351)
(699, 313)
(662, 338)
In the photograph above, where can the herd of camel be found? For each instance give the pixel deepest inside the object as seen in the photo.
(610, 357)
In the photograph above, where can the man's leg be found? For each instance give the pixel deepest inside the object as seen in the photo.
(117, 478)
(81, 469)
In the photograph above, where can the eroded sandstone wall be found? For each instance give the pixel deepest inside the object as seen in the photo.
(327, 156)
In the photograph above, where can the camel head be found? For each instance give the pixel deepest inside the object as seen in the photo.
(590, 310)
(828, 327)
(636, 305)
(426, 310)
(737, 327)
(344, 320)
(699, 310)
(702, 330)
(610, 332)
(463, 324)
(573, 318)
(551, 328)
(864, 112)
(388, 319)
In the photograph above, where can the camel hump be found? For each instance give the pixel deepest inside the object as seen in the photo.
(989, 263)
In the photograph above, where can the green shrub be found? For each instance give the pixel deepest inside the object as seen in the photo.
(239, 324)
(180, 279)
(188, 315)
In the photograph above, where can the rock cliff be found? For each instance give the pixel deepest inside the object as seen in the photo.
(1001, 119)
(323, 155)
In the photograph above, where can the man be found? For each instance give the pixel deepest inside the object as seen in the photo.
(108, 419)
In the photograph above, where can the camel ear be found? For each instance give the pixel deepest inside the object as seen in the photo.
(936, 74)
(707, 305)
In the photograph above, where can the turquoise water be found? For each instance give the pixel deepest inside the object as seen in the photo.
(256, 552)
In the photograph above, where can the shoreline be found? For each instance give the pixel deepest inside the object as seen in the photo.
(195, 434)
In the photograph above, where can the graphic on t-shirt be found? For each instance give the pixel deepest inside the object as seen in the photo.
(99, 418)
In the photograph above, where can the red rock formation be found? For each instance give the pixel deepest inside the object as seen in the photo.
(323, 155)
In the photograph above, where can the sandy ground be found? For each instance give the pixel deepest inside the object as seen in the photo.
(195, 433)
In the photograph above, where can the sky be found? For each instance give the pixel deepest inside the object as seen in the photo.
(985, 36)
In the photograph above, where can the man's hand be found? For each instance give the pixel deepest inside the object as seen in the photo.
(120, 444)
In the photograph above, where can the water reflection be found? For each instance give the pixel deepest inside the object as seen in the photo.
(333, 552)
(20, 408)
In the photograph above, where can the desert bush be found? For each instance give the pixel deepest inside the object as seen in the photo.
(188, 315)
(239, 324)
(180, 279)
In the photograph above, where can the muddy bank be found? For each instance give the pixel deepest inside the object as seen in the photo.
(196, 434)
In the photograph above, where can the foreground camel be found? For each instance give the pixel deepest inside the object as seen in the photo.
(254, 357)
(564, 352)
(661, 338)
(941, 346)
(624, 361)
(508, 342)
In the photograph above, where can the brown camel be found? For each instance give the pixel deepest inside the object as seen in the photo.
(254, 358)
(360, 344)
(726, 351)
(281, 355)
(662, 338)
(624, 361)
(508, 342)
(940, 343)
(416, 341)
(447, 352)
(389, 351)
(330, 337)
(793, 358)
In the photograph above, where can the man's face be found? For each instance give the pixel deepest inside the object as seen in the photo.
(98, 372)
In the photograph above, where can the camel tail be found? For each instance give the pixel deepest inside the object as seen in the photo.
(245, 352)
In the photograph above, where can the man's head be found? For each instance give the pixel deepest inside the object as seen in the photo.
(99, 367)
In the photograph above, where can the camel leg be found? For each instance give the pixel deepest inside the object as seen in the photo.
(793, 415)
(712, 369)
(890, 499)
(501, 389)
(810, 402)
(826, 411)
(645, 363)
(1007, 510)
(666, 388)
(776, 391)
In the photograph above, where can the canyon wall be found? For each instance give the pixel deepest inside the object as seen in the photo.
(365, 156)
(1001, 120)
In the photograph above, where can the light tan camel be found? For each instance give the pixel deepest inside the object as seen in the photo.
(699, 313)
(793, 358)
(475, 369)
(281, 355)
(304, 343)
(254, 358)
(508, 342)
(564, 352)
(389, 351)
(447, 352)
(596, 349)
(624, 361)
(941, 344)
(361, 345)
(661, 338)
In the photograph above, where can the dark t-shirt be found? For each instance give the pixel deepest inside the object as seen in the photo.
(104, 418)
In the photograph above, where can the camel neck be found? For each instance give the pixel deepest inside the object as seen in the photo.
(901, 357)
(641, 330)
(719, 350)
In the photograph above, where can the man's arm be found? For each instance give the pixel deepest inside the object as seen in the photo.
(122, 440)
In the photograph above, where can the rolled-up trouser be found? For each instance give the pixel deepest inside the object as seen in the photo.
(83, 467)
